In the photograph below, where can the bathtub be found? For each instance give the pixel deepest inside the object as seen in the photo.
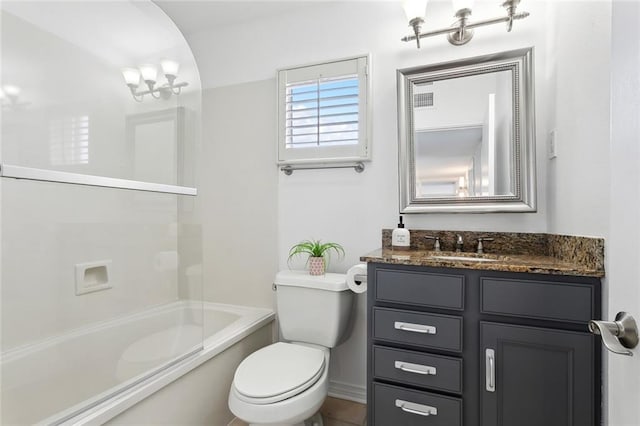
(98, 372)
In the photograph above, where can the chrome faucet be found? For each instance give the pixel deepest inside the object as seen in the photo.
(459, 243)
(436, 242)
(480, 249)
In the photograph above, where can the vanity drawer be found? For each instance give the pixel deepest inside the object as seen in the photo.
(417, 368)
(557, 301)
(394, 406)
(418, 329)
(420, 288)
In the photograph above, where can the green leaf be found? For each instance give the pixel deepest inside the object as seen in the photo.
(315, 248)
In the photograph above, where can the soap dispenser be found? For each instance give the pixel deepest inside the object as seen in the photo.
(400, 239)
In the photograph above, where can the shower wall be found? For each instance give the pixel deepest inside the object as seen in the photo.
(66, 108)
(50, 227)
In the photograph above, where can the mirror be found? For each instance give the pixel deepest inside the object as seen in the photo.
(466, 135)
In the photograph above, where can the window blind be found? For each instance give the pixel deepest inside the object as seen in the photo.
(322, 112)
(69, 140)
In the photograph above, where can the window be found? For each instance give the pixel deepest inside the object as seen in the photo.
(69, 140)
(322, 112)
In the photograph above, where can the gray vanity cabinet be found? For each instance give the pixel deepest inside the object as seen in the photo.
(536, 376)
(481, 348)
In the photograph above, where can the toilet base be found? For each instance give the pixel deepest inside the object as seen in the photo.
(315, 420)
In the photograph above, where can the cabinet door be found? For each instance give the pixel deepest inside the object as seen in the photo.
(536, 376)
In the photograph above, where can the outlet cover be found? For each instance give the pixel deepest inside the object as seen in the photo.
(553, 144)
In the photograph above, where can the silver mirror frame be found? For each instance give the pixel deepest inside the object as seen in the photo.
(523, 159)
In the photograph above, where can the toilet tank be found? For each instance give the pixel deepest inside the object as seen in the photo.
(313, 309)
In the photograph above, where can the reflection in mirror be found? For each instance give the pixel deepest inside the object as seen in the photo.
(157, 135)
(64, 102)
(452, 172)
(466, 135)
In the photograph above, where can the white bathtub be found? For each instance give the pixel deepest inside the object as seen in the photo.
(105, 367)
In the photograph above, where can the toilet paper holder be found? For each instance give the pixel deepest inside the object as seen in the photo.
(618, 336)
(360, 278)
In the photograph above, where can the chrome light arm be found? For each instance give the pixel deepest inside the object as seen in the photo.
(461, 31)
(157, 92)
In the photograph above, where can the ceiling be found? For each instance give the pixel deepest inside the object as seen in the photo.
(195, 16)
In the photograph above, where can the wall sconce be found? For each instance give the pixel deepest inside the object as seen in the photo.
(149, 74)
(461, 32)
(9, 94)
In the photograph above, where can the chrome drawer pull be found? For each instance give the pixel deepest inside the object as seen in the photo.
(490, 370)
(419, 409)
(414, 328)
(415, 368)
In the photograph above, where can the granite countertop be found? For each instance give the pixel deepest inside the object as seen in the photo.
(534, 264)
(534, 253)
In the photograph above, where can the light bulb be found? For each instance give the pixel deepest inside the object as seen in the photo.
(415, 8)
(149, 73)
(170, 67)
(131, 77)
(462, 4)
(11, 91)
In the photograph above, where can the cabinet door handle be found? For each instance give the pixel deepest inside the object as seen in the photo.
(419, 409)
(415, 368)
(414, 328)
(490, 370)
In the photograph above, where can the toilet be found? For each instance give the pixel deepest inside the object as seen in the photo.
(286, 383)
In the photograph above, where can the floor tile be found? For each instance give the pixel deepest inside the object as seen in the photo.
(348, 412)
(328, 421)
(237, 422)
(335, 412)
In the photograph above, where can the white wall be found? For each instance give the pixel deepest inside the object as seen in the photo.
(589, 180)
(333, 205)
(579, 110)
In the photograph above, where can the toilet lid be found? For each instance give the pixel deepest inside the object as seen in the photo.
(279, 371)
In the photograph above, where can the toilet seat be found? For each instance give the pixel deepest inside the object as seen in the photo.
(277, 372)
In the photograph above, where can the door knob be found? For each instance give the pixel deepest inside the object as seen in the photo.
(618, 336)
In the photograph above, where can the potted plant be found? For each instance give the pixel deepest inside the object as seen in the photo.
(318, 252)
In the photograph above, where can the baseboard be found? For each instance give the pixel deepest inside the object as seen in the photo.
(348, 391)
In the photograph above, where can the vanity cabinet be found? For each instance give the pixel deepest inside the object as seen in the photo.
(481, 348)
(536, 376)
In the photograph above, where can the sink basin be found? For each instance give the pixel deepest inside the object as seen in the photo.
(462, 258)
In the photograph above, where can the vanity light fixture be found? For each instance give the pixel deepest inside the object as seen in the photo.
(149, 74)
(461, 32)
(9, 94)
